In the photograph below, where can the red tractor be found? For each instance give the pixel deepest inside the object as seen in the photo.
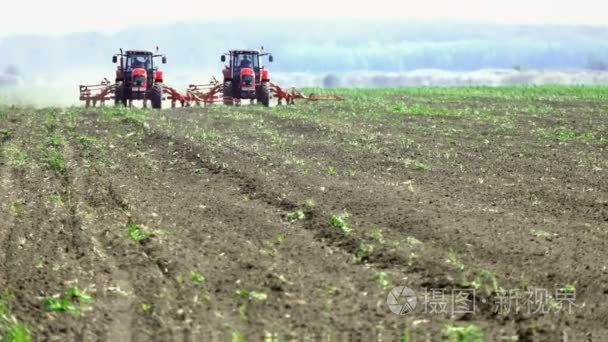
(246, 78)
(138, 79)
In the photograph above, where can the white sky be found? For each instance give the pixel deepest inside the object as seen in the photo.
(61, 16)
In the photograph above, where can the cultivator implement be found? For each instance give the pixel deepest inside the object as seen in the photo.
(196, 94)
(291, 94)
(97, 93)
(105, 91)
(205, 94)
(174, 96)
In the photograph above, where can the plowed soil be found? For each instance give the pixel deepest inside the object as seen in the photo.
(474, 192)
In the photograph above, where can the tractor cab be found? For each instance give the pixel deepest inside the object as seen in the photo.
(131, 60)
(143, 61)
(245, 77)
(244, 59)
(137, 78)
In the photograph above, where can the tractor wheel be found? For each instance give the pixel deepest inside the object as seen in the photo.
(119, 95)
(265, 94)
(156, 96)
(228, 100)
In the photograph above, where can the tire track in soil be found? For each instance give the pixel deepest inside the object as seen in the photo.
(110, 278)
(39, 233)
(6, 217)
(132, 267)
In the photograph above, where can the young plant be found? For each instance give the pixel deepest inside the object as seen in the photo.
(55, 140)
(135, 233)
(196, 277)
(420, 166)
(363, 252)
(340, 222)
(486, 280)
(55, 159)
(295, 216)
(568, 288)
(73, 301)
(11, 330)
(376, 234)
(197, 171)
(14, 156)
(455, 260)
(412, 241)
(270, 246)
(466, 333)
(382, 279)
(249, 296)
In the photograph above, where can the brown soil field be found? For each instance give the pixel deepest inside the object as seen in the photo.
(295, 222)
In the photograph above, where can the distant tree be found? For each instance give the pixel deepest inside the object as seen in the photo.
(331, 81)
(12, 70)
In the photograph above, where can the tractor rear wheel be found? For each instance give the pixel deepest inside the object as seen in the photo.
(265, 94)
(119, 95)
(156, 96)
(228, 100)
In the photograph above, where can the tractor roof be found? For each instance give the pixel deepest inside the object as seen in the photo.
(236, 52)
(138, 52)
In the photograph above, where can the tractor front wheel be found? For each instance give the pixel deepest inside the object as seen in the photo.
(119, 95)
(228, 100)
(265, 94)
(156, 96)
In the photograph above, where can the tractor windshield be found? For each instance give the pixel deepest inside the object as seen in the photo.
(139, 61)
(247, 61)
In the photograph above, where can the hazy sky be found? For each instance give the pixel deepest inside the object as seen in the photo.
(60, 16)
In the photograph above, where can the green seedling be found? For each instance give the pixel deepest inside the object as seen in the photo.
(55, 140)
(17, 332)
(486, 280)
(340, 222)
(466, 333)
(14, 156)
(196, 277)
(251, 295)
(135, 233)
(237, 336)
(295, 216)
(147, 308)
(412, 241)
(568, 288)
(363, 252)
(376, 234)
(455, 260)
(73, 301)
(382, 279)
(420, 166)
(331, 170)
(55, 160)
(11, 330)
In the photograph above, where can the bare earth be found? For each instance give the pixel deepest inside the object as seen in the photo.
(243, 197)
